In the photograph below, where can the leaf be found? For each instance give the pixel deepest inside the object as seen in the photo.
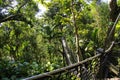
(94, 34)
(1, 1)
(11, 34)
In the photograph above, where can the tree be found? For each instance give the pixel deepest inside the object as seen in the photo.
(109, 59)
(11, 13)
(74, 20)
(69, 32)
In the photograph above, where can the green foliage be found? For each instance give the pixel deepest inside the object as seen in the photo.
(118, 2)
(17, 70)
(27, 51)
(117, 34)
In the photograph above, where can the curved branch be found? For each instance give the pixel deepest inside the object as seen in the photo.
(110, 48)
(22, 6)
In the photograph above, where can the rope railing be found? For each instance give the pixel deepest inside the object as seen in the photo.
(61, 70)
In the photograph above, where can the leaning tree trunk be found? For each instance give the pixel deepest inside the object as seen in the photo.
(65, 51)
(69, 56)
(114, 11)
(107, 58)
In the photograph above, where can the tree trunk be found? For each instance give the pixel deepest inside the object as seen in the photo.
(78, 51)
(66, 52)
(114, 11)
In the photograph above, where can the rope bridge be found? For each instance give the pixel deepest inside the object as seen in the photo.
(83, 72)
(87, 69)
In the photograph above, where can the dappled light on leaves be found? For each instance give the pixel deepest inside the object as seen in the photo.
(66, 32)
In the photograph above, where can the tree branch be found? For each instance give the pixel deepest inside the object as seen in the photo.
(18, 11)
(15, 17)
(110, 48)
(114, 17)
(114, 26)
